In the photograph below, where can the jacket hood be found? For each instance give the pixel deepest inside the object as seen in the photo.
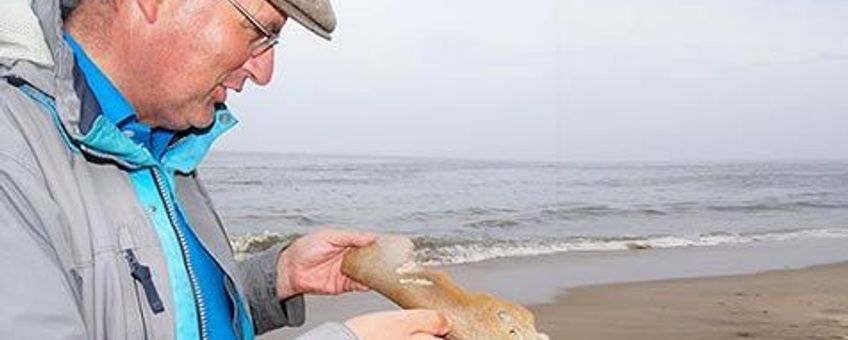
(21, 36)
(38, 54)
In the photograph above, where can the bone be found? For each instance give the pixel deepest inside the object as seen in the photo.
(388, 267)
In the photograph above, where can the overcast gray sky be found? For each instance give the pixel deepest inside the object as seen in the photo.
(561, 80)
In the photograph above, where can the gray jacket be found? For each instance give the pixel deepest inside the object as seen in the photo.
(77, 244)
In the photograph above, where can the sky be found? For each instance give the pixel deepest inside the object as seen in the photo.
(560, 80)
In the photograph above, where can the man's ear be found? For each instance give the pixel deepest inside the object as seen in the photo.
(150, 9)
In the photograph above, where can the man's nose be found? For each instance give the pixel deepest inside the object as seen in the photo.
(261, 67)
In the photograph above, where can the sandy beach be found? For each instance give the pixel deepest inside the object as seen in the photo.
(777, 290)
(808, 303)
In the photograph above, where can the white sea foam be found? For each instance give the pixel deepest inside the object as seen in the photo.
(434, 250)
(451, 252)
(246, 245)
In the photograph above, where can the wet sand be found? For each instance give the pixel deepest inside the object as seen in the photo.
(808, 303)
(689, 293)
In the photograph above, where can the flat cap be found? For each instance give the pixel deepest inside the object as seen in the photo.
(315, 15)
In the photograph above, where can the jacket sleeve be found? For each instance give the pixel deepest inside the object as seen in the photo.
(38, 297)
(269, 313)
(259, 274)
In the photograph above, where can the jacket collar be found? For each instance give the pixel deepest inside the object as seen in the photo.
(103, 139)
(74, 103)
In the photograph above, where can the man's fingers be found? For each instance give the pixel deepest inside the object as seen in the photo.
(400, 324)
(424, 336)
(350, 238)
(428, 322)
(360, 287)
(351, 285)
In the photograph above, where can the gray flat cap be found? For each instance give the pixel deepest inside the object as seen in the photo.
(315, 15)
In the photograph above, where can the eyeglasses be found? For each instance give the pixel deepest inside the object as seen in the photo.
(268, 39)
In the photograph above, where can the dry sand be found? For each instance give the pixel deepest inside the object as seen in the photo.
(786, 304)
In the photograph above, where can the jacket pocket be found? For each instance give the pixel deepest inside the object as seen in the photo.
(136, 309)
(141, 275)
(143, 301)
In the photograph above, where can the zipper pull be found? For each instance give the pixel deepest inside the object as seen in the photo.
(141, 273)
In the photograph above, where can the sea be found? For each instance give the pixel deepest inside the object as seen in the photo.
(461, 211)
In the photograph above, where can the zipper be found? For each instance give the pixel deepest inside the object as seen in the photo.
(141, 273)
(153, 299)
(172, 216)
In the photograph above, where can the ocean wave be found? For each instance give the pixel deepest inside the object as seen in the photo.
(447, 250)
(571, 212)
(765, 206)
(245, 245)
(240, 182)
(495, 223)
(283, 217)
(462, 213)
(580, 211)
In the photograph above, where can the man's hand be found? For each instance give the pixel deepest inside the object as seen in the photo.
(312, 264)
(400, 325)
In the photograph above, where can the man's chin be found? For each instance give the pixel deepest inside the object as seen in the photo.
(200, 123)
(202, 119)
(203, 123)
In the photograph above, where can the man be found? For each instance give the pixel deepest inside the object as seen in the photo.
(106, 109)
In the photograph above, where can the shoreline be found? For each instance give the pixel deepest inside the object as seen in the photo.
(546, 282)
(809, 303)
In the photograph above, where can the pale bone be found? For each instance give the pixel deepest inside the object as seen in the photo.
(388, 267)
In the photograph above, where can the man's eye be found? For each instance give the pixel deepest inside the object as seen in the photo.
(255, 33)
(276, 28)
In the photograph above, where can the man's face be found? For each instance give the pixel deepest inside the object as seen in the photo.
(202, 50)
